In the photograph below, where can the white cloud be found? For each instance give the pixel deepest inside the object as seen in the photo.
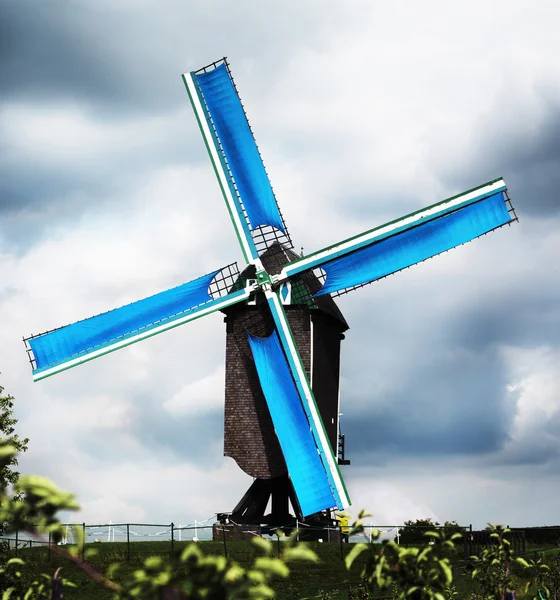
(123, 493)
(537, 381)
(70, 137)
(388, 503)
(203, 395)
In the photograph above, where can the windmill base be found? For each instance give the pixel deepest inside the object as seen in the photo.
(249, 517)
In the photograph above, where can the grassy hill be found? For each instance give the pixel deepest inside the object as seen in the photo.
(327, 579)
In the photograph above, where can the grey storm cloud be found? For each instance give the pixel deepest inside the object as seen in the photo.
(517, 318)
(103, 58)
(432, 379)
(61, 52)
(115, 70)
(180, 438)
(444, 406)
(528, 157)
(185, 437)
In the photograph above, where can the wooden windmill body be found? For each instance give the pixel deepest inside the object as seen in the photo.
(318, 327)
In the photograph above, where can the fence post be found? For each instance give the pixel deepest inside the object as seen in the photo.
(523, 542)
(49, 547)
(16, 542)
(84, 542)
(128, 541)
(57, 591)
(224, 538)
(172, 540)
(278, 542)
(341, 547)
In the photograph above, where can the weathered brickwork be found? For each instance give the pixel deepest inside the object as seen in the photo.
(249, 435)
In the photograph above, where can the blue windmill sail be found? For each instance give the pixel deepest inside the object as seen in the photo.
(236, 159)
(410, 247)
(410, 240)
(74, 344)
(307, 399)
(305, 467)
(240, 149)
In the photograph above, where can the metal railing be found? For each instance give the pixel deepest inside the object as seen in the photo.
(132, 539)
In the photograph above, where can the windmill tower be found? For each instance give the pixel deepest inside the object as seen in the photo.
(283, 330)
(318, 327)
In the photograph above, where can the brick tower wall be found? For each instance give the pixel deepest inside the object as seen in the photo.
(249, 436)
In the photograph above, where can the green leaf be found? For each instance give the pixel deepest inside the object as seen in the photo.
(161, 579)
(262, 545)
(152, 563)
(7, 594)
(412, 589)
(256, 576)
(112, 570)
(261, 591)
(7, 451)
(37, 483)
(233, 574)
(190, 553)
(272, 565)
(423, 554)
(447, 571)
(15, 561)
(299, 553)
(69, 584)
(354, 553)
(90, 553)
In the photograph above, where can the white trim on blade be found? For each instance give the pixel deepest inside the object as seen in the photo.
(239, 297)
(189, 80)
(333, 252)
(310, 404)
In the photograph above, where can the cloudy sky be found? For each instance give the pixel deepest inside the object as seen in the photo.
(364, 111)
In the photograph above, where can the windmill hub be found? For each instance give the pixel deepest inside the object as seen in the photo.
(284, 426)
(264, 281)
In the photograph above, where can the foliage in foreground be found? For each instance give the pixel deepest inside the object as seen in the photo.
(403, 573)
(8, 476)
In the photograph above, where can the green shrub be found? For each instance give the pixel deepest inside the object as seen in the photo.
(416, 573)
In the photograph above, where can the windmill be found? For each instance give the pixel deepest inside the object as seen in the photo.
(289, 418)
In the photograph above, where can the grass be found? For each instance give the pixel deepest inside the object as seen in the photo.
(309, 581)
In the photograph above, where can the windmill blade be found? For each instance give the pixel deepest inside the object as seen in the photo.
(309, 405)
(234, 154)
(74, 344)
(410, 240)
(306, 470)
